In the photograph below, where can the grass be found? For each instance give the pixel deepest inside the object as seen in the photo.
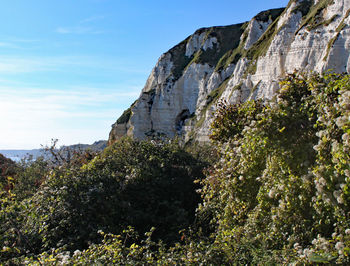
(228, 39)
(255, 87)
(211, 98)
(125, 117)
(232, 56)
(179, 59)
(260, 47)
(322, 23)
(340, 27)
(311, 13)
(229, 48)
(149, 92)
(302, 7)
(235, 88)
(271, 14)
(215, 94)
(342, 24)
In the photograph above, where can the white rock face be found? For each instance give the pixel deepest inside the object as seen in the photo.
(256, 28)
(184, 105)
(198, 41)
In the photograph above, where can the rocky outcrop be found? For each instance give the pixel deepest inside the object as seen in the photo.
(236, 63)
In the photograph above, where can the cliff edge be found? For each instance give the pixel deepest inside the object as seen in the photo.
(236, 63)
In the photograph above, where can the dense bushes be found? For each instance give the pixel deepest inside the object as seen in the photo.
(281, 186)
(139, 184)
(279, 193)
(7, 169)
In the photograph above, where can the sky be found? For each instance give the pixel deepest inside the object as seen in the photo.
(68, 68)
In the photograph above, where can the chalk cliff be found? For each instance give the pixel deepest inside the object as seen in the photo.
(236, 63)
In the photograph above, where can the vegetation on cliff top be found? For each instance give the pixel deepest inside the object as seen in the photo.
(227, 50)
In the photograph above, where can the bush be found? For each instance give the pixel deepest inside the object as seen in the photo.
(279, 193)
(132, 183)
(282, 181)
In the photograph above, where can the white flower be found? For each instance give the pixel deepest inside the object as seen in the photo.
(347, 231)
(339, 246)
(347, 172)
(321, 119)
(322, 181)
(65, 259)
(336, 193)
(307, 252)
(296, 246)
(272, 193)
(316, 147)
(77, 253)
(341, 121)
(340, 200)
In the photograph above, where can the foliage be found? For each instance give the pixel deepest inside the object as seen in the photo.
(125, 117)
(228, 38)
(279, 192)
(282, 182)
(114, 250)
(259, 48)
(313, 16)
(7, 169)
(142, 184)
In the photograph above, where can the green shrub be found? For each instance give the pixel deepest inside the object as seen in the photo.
(277, 194)
(132, 183)
(282, 182)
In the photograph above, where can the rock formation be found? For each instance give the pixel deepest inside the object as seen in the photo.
(236, 63)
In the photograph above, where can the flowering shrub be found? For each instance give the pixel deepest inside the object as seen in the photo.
(279, 193)
(282, 184)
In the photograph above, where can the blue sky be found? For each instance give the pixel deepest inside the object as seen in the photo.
(68, 68)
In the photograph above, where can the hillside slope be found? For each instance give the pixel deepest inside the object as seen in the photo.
(236, 63)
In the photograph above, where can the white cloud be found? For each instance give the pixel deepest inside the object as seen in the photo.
(78, 30)
(33, 116)
(8, 45)
(81, 27)
(13, 64)
(17, 43)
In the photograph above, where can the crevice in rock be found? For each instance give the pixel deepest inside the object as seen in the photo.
(180, 119)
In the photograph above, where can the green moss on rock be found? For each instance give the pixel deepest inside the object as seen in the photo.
(233, 55)
(124, 118)
(340, 27)
(179, 59)
(312, 14)
(211, 99)
(303, 7)
(261, 47)
(269, 15)
(215, 94)
(228, 38)
(228, 49)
